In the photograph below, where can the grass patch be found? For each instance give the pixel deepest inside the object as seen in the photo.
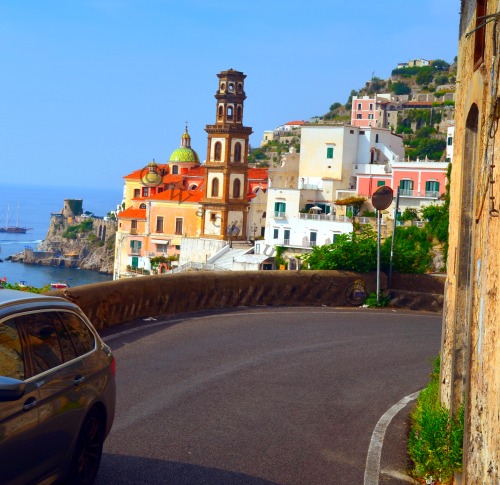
(436, 439)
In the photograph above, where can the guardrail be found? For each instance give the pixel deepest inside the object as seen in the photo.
(115, 302)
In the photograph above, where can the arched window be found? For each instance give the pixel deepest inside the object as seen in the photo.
(142, 206)
(218, 151)
(221, 111)
(238, 114)
(215, 187)
(175, 169)
(229, 112)
(237, 152)
(236, 188)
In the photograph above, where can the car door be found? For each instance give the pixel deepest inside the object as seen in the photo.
(18, 416)
(60, 376)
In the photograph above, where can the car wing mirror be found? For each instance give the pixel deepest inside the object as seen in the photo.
(11, 389)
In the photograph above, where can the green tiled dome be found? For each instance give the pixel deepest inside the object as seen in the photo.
(185, 153)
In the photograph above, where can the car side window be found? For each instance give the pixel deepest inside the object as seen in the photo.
(80, 336)
(11, 353)
(43, 340)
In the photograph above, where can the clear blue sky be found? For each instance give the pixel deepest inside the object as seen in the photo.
(91, 90)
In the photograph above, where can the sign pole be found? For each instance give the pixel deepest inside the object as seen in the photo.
(378, 256)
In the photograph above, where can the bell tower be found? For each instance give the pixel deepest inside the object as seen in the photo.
(225, 205)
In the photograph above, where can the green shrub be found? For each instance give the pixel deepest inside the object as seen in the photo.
(435, 441)
(371, 301)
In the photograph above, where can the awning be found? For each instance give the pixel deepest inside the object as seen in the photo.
(160, 241)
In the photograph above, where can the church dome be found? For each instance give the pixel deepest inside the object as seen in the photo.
(184, 153)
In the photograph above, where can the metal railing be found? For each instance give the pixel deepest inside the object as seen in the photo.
(279, 215)
(431, 194)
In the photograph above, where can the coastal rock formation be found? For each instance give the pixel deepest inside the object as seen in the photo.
(75, 241)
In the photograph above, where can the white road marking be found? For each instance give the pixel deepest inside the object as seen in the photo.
(372, 469)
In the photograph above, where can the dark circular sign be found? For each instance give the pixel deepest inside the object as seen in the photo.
(382, 197)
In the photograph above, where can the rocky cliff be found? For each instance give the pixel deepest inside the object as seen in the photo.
(79, 242)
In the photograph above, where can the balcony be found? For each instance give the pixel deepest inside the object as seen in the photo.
(279, 215)
(429, 194)
(133, 231)
(324, 217)
(134, 252)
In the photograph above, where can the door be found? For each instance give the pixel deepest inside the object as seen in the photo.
(18, 417)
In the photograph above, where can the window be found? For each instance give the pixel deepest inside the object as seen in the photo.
(371, 106)
(406, 187)
(161, 248)
(79, 338)
(450, 141)
(376, 138)
(175, 169)
(359, 105)
(239, 114)
(221, 111)
(137, 193)
(370, 116)
(229, 112)
(133, 226)
(43, 339)
(237, 152)
(312, 238)
(12, 361)
(329, 152)
(351, 132)
(359, 116)
(361, 132)
(215, 187)
(236, 188)
(145, 191)
(218, 151)
(279, 209)
(135, 247)
(286, 236)
(159, 224)
(178, 225)
(432, 188)
(276, 233)
(380, 183)
(480, 33)
(142, 206)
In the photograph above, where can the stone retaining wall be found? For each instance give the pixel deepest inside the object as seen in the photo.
(115, 302)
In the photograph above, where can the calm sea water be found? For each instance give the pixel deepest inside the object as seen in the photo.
(35, 206)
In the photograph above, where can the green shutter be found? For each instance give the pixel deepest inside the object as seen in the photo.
(329, 152)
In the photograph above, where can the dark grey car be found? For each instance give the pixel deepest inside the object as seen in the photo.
(57, 391)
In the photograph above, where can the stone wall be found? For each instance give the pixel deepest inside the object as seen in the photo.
(115, 302)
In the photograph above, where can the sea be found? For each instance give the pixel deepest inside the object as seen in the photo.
(31, 206)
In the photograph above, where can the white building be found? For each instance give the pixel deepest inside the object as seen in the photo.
(302, 215)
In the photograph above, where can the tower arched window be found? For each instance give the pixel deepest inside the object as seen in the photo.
(236, 188)
(221, 111)
(238, 114)
(218, 151)
(175, 169)
(229, 112)
(215, 187)
(237, 152)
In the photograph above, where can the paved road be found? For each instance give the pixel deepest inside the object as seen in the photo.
(260, 396)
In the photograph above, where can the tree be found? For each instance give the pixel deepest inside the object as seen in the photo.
(349, 252)
(440, 65)
(424, 76)
(334, 106)
(400, 88)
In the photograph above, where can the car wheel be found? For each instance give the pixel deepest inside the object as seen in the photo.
(88, 451)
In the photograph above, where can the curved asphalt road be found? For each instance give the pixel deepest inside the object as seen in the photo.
(260, 395)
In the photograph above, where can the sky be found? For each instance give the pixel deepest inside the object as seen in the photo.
(91, 90)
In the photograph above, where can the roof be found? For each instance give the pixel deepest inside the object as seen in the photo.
(257, 173)
(295, 123)
(132, 213)
(136, 174)
(184, 154)
(180, 195)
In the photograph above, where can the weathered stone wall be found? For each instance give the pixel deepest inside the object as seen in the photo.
(471, 346)
(115, 302)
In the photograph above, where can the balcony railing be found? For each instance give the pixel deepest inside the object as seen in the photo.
(133, 231)
(134, 252)
(324, 217)
(430, 194)
(279, 215)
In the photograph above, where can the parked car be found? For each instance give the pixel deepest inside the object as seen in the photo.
(57, 391)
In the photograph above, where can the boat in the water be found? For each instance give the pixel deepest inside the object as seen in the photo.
(17, 229)
(59, 286)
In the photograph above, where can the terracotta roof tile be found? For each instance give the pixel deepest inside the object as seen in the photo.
(132, 213)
